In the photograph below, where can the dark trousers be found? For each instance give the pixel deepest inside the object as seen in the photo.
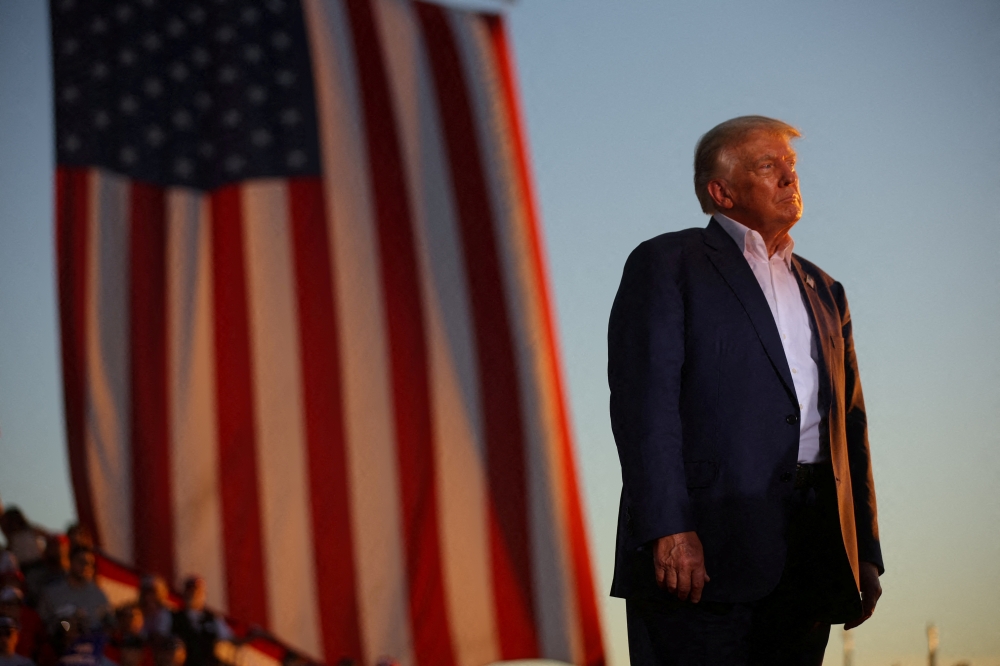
(790, 626)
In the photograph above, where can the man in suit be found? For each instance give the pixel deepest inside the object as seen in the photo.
(747, 523)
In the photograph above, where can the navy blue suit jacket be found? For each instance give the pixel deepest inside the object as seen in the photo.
(706, 420)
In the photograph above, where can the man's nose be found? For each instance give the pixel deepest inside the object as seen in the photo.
(788, 175)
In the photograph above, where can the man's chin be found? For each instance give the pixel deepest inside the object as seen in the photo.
(793, 214)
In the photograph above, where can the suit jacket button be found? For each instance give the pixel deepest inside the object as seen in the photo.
(791, 419)
(786, 477)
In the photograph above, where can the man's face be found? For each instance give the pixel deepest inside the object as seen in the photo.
(763, 184)
(194, 594)
(82, 567)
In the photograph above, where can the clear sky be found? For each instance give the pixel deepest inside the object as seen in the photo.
(899, 103)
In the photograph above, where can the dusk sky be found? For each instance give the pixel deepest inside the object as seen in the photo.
(899, 105)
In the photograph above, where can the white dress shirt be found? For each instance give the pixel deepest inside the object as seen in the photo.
(781, 289)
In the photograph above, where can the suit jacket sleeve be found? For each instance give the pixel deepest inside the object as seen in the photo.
(859, 454)
(645, 361)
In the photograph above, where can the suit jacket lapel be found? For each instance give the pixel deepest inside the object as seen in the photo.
(825, 324)
(725, 254)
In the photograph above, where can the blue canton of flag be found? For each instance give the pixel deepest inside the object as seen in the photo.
(192, 94)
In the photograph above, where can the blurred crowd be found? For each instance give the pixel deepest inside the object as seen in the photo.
(52, 612)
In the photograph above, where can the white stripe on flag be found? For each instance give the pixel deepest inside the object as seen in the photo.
(463, 499)
(555, 593)
(197, 507)
(108, 402)
(281, 449)
(368, 409)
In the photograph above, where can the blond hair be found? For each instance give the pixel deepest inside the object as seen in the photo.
(714, 150)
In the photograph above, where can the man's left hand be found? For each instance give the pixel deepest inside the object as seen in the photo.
(871, 590)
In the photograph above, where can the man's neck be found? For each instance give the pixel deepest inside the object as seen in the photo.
(774, 237)
(776, 242)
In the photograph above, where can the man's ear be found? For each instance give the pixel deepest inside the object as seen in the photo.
(718, 189)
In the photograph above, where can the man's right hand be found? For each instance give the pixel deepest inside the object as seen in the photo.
(679, 562)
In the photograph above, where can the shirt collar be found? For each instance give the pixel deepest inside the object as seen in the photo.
(751, 241)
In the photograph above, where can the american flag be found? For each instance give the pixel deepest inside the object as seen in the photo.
(308, 346)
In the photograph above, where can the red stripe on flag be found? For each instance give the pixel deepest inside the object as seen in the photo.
(333, 542)
(72, 250)
(244, 554)
(510, 541)
(407, 347)
(152, 523)
(586, 601)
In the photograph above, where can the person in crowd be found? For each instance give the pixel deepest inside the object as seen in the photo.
(76, 642)
(199, 628)
(55, 564)
(79, 535)
(32, 630)
(25, 542)
(77, 591)
(153, 598)
(126, 646)
(10, 571)
(9, 634)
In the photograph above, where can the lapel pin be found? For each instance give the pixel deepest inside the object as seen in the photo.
(810, 281)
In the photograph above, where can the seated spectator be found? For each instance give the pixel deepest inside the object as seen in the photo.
(25, 542)
(31, 630)
(75, 643)
(200, 629)
(9, 633)
(76, 593)
(153, 596)
(126, 645)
